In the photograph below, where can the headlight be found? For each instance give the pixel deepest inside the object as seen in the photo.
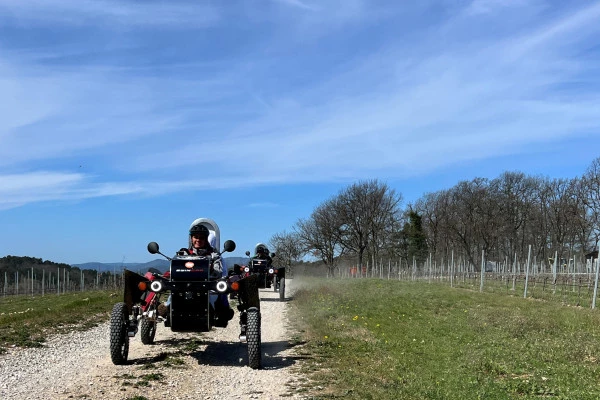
(156, 286)
(246, 269)
(271, 271)
(221, 286)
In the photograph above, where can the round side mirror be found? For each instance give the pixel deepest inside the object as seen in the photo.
(229, 245)
(272, 255)
(153, 247)
(248, 254)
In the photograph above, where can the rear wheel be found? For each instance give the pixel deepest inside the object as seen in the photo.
(282, 289)
(148, 331)
(119, 340)
(253, 338)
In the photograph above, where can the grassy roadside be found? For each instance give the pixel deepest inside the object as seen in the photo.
(27, 321)
(374, 339)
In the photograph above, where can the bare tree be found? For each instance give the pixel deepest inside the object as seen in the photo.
(364, 210)
(591, 199)
(288, 248)
(586, 235)
(559, 213)
(464, 217)
(515, 193)
(433, 209)
(320, 235)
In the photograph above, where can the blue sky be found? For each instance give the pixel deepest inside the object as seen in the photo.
(123, 121)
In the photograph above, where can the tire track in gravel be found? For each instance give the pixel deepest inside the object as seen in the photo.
(210, 365)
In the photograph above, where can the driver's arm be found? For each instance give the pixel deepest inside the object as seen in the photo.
(217, 269)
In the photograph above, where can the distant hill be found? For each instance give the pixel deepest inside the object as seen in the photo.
(160, 263)
(105, 266)
(230, 261)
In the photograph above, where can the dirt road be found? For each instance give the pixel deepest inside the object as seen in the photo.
(210, 365)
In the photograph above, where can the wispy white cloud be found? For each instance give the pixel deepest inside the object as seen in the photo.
(297, 3)
(125, 13)
(55, 112)
(578, 28)
(478, 7)
(41, 186)
(402, 110)
(437, 107)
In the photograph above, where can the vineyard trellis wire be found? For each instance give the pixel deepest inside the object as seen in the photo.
(59, 282)
(573, 284)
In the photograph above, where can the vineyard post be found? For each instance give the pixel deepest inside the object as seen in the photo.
(429, 267)
(554, 267)
(389, 268)
(527, 272)
(452, 270)
(595, 283)
(514, 273)
(482, 270)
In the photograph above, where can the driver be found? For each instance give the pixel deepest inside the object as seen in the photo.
(262, 254)
(200, 246)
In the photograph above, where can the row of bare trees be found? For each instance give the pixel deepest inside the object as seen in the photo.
(501, 217)
(361, 222)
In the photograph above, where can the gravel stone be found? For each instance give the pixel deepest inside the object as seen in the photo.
(210, 365)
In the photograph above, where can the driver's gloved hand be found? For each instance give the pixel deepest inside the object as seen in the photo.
(183, 252)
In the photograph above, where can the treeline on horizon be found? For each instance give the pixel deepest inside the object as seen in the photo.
(35, 268)
(365, 223)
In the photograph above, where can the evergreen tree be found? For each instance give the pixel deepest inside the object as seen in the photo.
(416, 238)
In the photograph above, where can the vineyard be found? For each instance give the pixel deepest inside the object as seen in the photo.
(574, 283)
(62, 280)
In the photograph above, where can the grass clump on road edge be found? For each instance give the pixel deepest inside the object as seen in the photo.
(377, 339)
(26, 321)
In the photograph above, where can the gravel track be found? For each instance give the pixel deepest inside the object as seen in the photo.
(210, 365)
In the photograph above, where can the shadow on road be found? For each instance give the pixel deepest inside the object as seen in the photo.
(276, 299)
(236, 354)
(208, 352)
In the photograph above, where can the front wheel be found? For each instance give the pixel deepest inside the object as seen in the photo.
(119, 340)
(253, 338)
(282, 289)
(148, 331)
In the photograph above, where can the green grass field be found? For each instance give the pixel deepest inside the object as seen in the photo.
(26, 321)
(377, 339)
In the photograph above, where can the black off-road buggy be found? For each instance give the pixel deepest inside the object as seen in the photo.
(268, 275)
(278, 280)
(195, 298)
